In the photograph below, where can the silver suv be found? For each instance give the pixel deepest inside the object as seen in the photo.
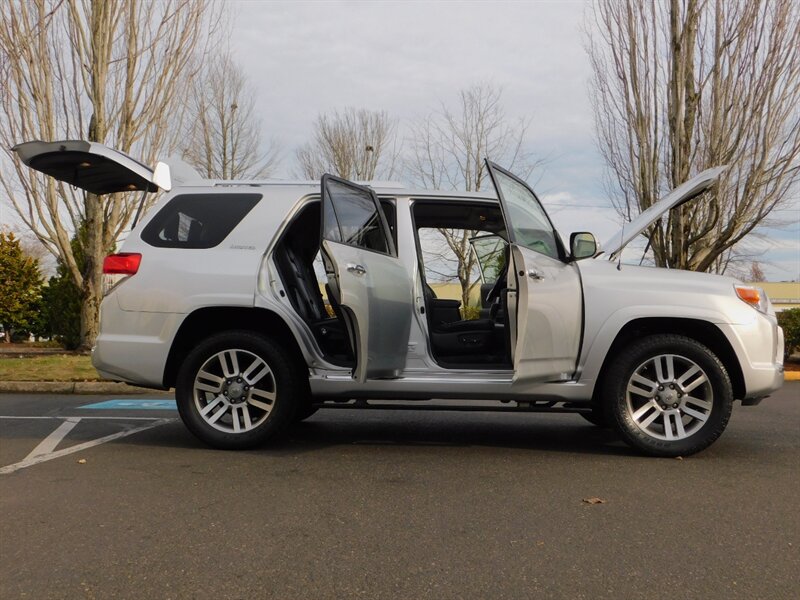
(263, 301)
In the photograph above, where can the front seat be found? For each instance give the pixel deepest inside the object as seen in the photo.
(450, 334)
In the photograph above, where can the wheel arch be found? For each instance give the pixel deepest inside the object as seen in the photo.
(701, 331)
(210, 320)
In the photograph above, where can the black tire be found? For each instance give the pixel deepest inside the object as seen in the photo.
(304, 411)
(597, 417)
(658, 432)
(283, 379)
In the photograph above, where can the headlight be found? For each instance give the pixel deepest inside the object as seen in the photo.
(755, 297)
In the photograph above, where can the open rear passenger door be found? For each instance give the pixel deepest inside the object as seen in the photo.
(545, 302)
(365, 277)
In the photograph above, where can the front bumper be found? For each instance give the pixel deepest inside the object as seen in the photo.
(759, 348)
(775, 384)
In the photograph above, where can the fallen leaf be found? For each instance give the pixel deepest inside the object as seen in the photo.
(594, 500)
(678, 458)
(81, 461)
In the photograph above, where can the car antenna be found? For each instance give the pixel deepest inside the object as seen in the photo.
(621, 239)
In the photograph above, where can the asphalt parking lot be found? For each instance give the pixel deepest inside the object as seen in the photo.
(122, 502)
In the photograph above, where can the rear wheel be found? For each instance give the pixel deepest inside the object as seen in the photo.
(668, 395)
(236, 390)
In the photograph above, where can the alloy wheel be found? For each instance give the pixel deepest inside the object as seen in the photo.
(234, 391)
(669, 397)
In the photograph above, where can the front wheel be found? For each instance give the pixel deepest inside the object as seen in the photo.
(236, 390)
(668, 395)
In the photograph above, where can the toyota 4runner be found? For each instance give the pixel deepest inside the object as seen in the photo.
(223, 296)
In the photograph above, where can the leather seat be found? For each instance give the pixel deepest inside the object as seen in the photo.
(440, 310)
(300, 283)
(302, 287)
(452, 336)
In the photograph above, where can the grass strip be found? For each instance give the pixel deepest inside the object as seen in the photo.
(61, 367)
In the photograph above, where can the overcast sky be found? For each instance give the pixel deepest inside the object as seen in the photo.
(304, 58)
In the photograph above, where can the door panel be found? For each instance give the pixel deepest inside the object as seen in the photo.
(549, 317)
(370, 283)
(374, 291)
(545, 298)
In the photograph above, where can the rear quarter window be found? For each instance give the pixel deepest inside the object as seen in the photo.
(198, 220)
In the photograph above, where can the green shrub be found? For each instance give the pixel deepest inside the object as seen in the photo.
(20, 289)
(789, 320)
(60, 312)
(470, 312)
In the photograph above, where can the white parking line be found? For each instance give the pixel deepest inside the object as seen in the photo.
(48, 444)
(35, 460)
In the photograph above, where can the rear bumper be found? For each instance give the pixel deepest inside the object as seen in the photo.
(133, 347)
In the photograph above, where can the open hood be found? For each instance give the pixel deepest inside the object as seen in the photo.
(93, 167)
(681, 194)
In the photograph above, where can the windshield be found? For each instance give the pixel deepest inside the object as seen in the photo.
(527, 222)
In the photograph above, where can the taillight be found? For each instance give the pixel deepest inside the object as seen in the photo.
(124, 263)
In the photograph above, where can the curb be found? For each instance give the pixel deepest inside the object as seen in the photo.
(72, 387)
(791, 376)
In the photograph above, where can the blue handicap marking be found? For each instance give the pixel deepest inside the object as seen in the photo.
(132, 404)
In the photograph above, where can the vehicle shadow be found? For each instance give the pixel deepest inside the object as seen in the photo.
(560, 433)
(419, 429)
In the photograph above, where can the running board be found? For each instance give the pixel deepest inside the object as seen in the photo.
(455, 405)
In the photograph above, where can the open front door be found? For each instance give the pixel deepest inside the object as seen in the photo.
(370, 284)
(545, 298)
(93, 167)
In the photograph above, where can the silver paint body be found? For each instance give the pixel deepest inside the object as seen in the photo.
(141, 316)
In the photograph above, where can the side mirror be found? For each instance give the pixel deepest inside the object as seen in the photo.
(582, 245)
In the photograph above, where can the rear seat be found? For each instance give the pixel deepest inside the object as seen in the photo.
(302, 287)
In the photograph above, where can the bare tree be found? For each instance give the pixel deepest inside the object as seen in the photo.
(690, 84)
(109, 71)
(32, 247)
(353, 143)
(223, 136)
(756, 273)
(447, 150)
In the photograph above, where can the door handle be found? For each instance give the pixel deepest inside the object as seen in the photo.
(534, 274)
(356, 269)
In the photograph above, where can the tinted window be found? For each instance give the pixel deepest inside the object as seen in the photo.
(527, 222)
(198, 220)
(330, 225)
(360, 222)
(491, 253)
